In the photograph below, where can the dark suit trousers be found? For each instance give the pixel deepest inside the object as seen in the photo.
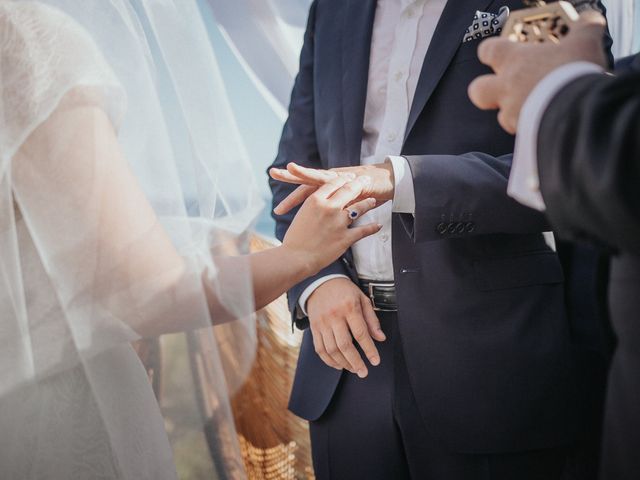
(621, 455)
(372, 430)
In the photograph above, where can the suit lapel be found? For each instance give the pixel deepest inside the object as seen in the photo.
(356, 44)
(447, 38)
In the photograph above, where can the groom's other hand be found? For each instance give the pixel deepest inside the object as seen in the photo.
(519, 67)
(340, 312)
(381, 185)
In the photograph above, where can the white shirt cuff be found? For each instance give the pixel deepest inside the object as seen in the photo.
(302, 302)
(524, 182)
(404, 200)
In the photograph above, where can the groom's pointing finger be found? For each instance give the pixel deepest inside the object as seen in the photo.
(311, 175)
(283, 175)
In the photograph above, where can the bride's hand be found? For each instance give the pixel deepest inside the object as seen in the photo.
(321, 231)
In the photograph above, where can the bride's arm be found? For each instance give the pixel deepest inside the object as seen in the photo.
(318, 235)
(101, 241)
(95, 231)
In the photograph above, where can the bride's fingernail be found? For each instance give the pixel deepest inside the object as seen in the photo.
(372, 202)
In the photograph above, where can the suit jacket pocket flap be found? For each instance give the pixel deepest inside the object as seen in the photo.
(520, 271)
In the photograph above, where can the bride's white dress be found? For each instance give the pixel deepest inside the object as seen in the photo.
(75, 401)
(63, 415)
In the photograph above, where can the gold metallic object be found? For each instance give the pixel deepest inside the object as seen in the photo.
(543, 22)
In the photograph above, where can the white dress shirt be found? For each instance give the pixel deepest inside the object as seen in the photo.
(402, 32)
(524, 183)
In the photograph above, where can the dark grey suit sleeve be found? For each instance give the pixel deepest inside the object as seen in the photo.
(298, 143)
(589, 160)
(464, 195)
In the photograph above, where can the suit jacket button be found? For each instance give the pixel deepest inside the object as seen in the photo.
(441, 228)
(451, 228)
(470, 227)
(460, 228)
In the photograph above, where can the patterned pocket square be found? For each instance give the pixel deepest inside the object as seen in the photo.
(486, 24)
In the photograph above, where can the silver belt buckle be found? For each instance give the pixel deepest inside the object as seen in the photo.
(372, 296)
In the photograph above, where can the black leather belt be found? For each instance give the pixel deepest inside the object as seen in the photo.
(382, 295)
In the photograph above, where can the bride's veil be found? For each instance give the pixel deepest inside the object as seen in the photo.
(69, 305)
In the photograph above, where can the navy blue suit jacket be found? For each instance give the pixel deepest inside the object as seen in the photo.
(481, 301)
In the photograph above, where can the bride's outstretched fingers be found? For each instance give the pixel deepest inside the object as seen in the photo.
(358, 209)
(380, 177)
(321, 231)
(352, 190)
(295, 198)
(309, 180)
(356, 234)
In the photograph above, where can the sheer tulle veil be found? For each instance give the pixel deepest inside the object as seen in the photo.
(74, 400)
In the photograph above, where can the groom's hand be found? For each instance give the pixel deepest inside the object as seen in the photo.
(339, 313)
(380, 184)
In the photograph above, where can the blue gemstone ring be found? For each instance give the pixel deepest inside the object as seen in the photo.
(353, 214)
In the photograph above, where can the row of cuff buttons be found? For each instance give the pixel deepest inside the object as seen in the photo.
(455, 228)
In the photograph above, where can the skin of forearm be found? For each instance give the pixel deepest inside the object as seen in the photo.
(276, 271)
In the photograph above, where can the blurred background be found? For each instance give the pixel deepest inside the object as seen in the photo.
(258, 75)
